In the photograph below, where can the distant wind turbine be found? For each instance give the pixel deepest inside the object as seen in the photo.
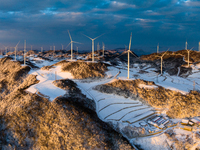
(16, 50)
(93, 44)
(186, 43)
(41, 49)
(158, 48)
(72, 45)
(161, 57)
(24, 52)
(199, 46)
(77, 49)
(103, 48)
(188, 50)
(31, 47)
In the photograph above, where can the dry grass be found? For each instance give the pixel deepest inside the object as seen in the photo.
(12, 75)
(28, 121)
(176, 104)
(81, 69)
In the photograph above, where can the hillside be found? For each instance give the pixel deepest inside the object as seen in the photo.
(30, 121)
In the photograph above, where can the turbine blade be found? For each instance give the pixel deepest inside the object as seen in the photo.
(98, 36)
(77, 42)
(70, 36)
(164, 53)
(68, 45)
(88, 37)
(133, 54)
(130, 41)
(17, 44)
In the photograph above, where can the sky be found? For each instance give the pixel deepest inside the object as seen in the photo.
(46, 23)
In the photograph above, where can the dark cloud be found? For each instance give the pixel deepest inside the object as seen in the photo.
(41, 23)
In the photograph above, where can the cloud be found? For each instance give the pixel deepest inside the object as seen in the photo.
(49, 20)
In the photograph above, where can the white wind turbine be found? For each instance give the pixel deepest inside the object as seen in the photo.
(72, 45)
(103, 47)
(93, 44)
(158, 48)
(41, 49)
(77, 49)
(31, 47)
(16, 50)
(188, 50)
(161, 57)
(129, 51)
(186, 43)
(199, 46)
(24, 52)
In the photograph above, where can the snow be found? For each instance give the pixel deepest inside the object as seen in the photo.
(45, 86)
(147, 86)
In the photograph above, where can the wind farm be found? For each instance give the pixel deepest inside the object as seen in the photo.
(117, 75)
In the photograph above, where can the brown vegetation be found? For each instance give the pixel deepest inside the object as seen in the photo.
(29, 121)
(81, 69)
(176, 104)
(12, 75)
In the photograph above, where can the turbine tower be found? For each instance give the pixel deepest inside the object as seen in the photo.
(158, 48)
(186, 45)
(71, 44)
(188, 50)
(161, 57)
(199, 46)
(41, 49)
(93, 44)
(98, 48)
(31, 47)
(103, 48)
(129, 50)
(77, 49)
(24, 52)
(16, 50)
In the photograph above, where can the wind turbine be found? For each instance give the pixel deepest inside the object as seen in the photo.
(77, 49)
(103, 48)
(161, 57)
(199, 46)
(98, 47)
(71, 44)
(41, 49)
(186, 45)
(129, 50)
(31, 47)
(93, 44)
(16, 50)
(158, 48)
(24, 52)
(188, 50)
